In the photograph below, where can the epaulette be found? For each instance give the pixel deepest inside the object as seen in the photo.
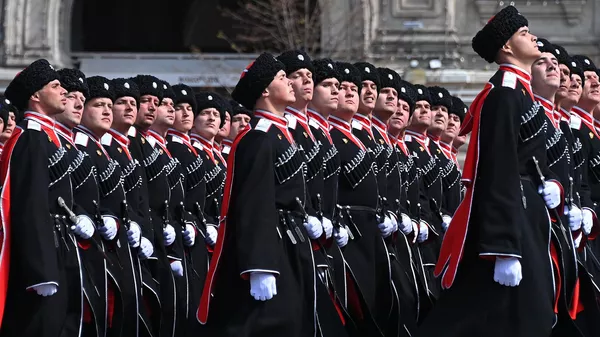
(263, 125)
(509, 80)
(292, 122)
(132, 131)
(407, 138)
(313, 123)
(106, 139)
(575, 122)
(226, 149)
(81, 139)
(356, 125)
(33, 125)
(151, 141)
(198, 145)
(177, 139)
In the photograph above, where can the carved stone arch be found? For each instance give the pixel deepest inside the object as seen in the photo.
(36, 29)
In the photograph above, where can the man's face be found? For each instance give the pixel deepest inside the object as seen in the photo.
(225, 130)
(280, 90)
(207, 123)
(591, 88)
(575, 89)
(523, 45)
(387, 101)
(71, 117)
(453, 127)
(97, 115)
(459, 141)
(399, 119)
(238, 123)
(325, 99)
(184, 117)
(52, 98)
(368, 95)
(125, 111)
(422, 115)
(165, 113)
(565, 82)
(545, 76)
(440, 118)
(147, 112)
(10, 127)
(302, 82)
(348, 98)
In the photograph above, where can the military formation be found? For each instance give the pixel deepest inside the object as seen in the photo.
(323, 198)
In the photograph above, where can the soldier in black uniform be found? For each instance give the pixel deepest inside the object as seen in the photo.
(41, 291)
(155, 184)
(263, 239)
(367, 254)
(9, 112)
(451, 175)
(500, 234)
(86, 193)
(208, 120)
(240, 118)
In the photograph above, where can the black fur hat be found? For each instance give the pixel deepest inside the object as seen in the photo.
(125, 87)
(149, 85)
(440, 96)
(561, 55)
(422, 93)
(388, 78)
(238, 109)
(100, 87)
(6, 107)
(28, 81)
(577, 69)
(324, 69)
(407, 93)
(585, 63)
(545, 46)
(294, 60)
(499, 29)
(369, 72)
(73, 80)
(349, 73)
(167, 90)
(459, 108)
(184, 94)
(206, 100)
(255, 79)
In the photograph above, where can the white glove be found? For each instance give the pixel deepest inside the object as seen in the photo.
(189, 235)
(177, 268)
(577, 240)
(327, 227)
(263, 286)
(423, 232)
(109, 230)
(146, 248)
(507, 271)
(211, 235)
(134, 234)
(551, 194)
(386, 228)
(84, 228)
(588, 221)
(446, 222)
(169, 235)
(575, 217)
(392, 217)
(341, 237)
(46, 289)
(405, 225)
(313, 227)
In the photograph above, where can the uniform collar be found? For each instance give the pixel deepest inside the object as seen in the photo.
(318, 118)
(564, 114)
(119, 137)
(523, 76)
(227, 142)
(297, 113)
(206, 144)
(157, 136)
(182, 135)
(87, 132)
(42, 119)
(340, 123)
(276, 119)
(362, 119)
(64, 131)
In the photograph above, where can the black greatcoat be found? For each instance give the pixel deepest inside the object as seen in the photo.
(93, 263)
(123, 271)
(214, 178)
(117, 147)
(263, 231)
(367, 254)
(38, 242)
(197, 256)
(502, 215)
(311, 149)
(156, 186)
